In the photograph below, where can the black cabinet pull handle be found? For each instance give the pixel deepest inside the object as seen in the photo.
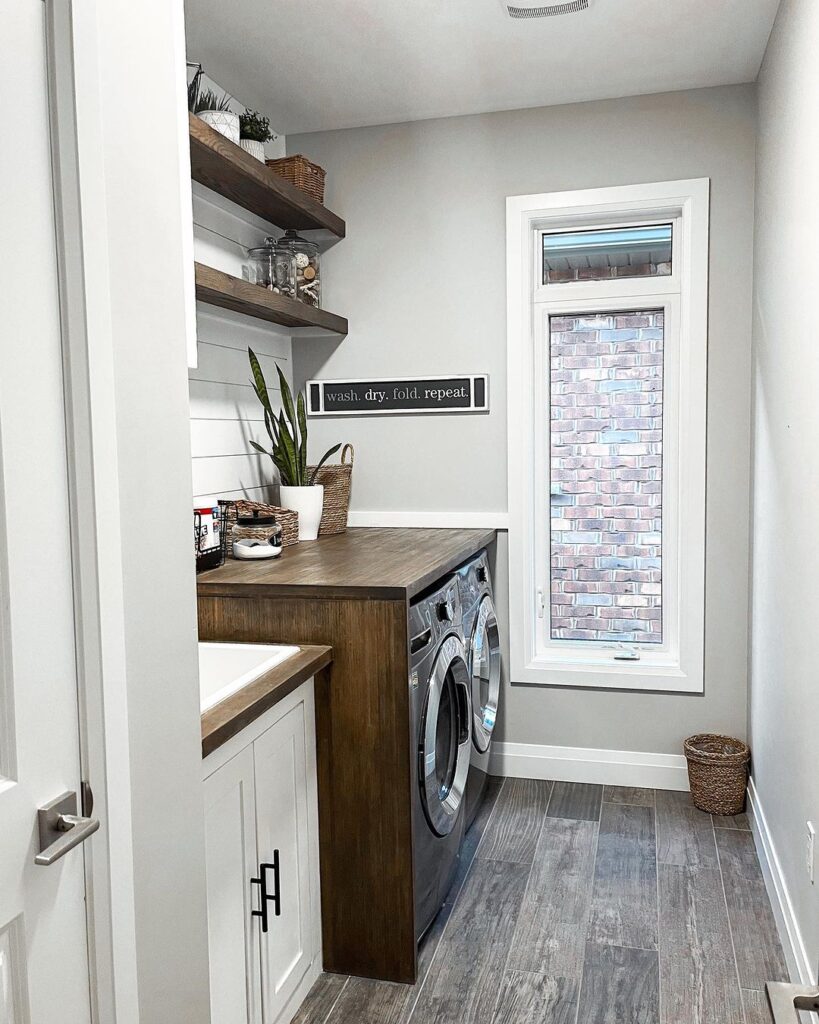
(264, 895)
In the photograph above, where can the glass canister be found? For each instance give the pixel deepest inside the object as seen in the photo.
(308, 268)
(274, 266)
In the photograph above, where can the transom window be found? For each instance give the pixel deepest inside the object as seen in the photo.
(607, 345)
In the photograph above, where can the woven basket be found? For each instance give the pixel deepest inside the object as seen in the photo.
(337, 481)
(287, 519)
(300, 172)
(717, 772)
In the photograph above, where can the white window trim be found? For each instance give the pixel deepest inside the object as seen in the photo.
(678, 666)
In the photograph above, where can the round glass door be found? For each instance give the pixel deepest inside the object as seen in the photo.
(486, 674)
(445, 737)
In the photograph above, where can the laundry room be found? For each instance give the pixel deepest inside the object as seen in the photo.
(426, 401)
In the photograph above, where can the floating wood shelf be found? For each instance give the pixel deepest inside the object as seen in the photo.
(221, 165)
(220, 289)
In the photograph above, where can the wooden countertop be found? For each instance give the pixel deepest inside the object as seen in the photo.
(230, 716)
(385, 563)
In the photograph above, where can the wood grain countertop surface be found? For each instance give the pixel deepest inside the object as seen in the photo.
(385, 563)
(230, 716)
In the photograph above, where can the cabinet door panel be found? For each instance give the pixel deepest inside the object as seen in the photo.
(230, 838)
(282, 824)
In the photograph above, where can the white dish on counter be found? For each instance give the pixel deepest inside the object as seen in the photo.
(226, 668)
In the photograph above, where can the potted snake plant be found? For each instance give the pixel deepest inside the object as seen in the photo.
(287, 431)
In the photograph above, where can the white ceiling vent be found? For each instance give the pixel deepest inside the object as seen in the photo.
(536, 9)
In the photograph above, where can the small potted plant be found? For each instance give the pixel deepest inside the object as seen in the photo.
(216, 112)
(254, 131)
(287, 431)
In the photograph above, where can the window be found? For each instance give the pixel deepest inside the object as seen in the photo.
(607, 355)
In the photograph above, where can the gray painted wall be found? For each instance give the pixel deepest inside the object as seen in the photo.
(784, 695)
(421, 277)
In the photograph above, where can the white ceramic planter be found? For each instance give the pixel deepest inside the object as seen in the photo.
(224, 122)
(308, 502)
(254, 147)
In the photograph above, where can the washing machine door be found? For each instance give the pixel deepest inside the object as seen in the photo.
(484, 661)
(444, 760)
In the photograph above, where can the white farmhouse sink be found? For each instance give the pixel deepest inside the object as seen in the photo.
(226, 668)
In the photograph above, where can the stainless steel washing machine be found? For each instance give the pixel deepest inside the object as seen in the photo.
(482, 641)
(441, 711)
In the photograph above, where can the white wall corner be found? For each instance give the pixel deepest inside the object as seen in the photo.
(787, 922)
(584, 764)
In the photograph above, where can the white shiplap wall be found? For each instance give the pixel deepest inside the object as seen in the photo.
(224, 411)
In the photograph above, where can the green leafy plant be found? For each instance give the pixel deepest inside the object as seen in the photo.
(253, 125)
(207, 99)
(287, 430)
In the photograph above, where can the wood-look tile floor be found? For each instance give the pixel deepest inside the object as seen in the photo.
(579, 904)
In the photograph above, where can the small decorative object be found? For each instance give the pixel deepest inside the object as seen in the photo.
(308, 268)
(254, 131)
(300, 172)
(336, 481)
(208, 537)
(287, 431)
(273, 266)
(216, 112)
(717, 772)
(286, 519)
(256, 536)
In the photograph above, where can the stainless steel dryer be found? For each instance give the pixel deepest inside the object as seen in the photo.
(441, 712)
(480, 626)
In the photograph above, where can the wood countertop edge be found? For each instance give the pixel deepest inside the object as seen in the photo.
(227, 718)
(480, 538)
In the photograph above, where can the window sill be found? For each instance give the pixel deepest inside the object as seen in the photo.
(622, 675)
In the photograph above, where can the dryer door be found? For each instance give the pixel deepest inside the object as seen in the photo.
(486, 674)
(445, 737)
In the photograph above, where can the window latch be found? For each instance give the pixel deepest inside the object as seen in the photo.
(626, 654)
(541, 603)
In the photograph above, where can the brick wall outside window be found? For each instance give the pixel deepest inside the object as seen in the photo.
(606, 385)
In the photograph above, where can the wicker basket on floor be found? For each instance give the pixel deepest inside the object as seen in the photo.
(299, 171)
(287, 519)
(717, 772)
(337, 481)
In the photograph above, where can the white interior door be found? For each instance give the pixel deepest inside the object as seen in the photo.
(282, 828)
(43, 939)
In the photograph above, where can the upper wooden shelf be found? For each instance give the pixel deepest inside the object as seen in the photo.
(220, 289)
(221, 165)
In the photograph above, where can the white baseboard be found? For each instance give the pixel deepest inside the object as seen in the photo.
(582, 764)
(430, 520)
(790, 935)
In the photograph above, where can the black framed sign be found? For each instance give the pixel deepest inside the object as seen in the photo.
(378, 397)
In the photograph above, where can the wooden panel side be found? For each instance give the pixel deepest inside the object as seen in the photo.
(364, 768)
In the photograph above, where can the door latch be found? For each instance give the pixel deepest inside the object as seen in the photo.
(61, 828)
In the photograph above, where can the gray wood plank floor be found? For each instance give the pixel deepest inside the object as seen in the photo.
(581, 904)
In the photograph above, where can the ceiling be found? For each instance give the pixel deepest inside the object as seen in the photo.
(313, 65)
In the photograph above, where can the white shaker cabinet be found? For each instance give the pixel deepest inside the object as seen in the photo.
(261, 823)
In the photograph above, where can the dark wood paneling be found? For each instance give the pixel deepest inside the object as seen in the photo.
(758, 951)
(576, 800)
(229, 292)
(685, 835)
(620, 986)
(364, 768)
(698, 975)
(551, 932)
(624, 905)
(221, 165)
(516, 822)
(396, 563)
(229, 717)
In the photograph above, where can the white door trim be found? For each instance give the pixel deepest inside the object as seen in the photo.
(77, 148)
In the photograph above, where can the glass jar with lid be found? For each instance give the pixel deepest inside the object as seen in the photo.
(308, 268)
(273, 266)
